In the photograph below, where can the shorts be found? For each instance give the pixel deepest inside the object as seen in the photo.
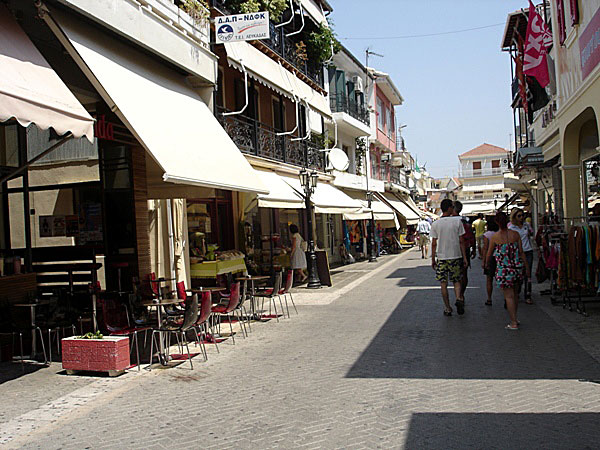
(423, 239)
(449, 268)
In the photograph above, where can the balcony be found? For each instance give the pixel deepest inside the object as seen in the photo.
(342, 103)
(490, 172)
(255, 138)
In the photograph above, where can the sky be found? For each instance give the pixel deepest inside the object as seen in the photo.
(456, 87)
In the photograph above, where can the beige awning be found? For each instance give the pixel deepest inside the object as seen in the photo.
(281, 194)
(272, 74)
(381, 211)
(410, 215)
(327, 199)
(168, 118)
(31, 91)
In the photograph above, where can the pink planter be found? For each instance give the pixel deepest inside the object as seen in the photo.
(109, 354)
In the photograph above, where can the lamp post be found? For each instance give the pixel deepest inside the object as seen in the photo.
(309, 183)
(372, 252)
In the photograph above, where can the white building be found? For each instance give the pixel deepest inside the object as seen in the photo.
(482, 172)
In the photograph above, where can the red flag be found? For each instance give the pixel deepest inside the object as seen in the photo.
(535, 62)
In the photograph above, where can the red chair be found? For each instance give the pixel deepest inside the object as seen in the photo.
(228, 309)
(204, 331)
(285, 291)
(116, 321)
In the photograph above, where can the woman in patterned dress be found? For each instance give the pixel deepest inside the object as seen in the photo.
(507, 249)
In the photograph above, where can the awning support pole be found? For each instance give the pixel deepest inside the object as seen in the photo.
(301, 27)
(36, 158)
(291, 17)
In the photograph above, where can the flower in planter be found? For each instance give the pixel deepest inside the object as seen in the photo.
(90, 335)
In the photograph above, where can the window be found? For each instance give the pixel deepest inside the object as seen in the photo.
(476, 165)
(380, 115)
(278, 109)
(495, 164)
(388, 121)
(9, 148)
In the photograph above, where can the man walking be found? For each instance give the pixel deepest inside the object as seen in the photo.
(468, 242)
(423, 228)
(448, 254)
(480, 227)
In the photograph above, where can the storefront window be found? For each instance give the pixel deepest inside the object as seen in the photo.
(9, 148)
(591, 183)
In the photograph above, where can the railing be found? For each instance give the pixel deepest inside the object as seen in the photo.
(472, 173)
(256, 138)
(342, 103)
(286, 48)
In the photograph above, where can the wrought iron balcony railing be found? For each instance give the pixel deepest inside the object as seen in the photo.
(256, 138)
(342, 103)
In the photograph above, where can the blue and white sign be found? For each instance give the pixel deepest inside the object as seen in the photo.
(242, 27)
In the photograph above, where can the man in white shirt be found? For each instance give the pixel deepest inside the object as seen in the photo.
(448, 255)
(423, 228)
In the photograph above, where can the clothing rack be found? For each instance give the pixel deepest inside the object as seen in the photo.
(576, 295)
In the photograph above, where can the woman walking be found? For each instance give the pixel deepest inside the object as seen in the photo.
(507, 249)
(489, 271)
(518, 224)
(298, 257)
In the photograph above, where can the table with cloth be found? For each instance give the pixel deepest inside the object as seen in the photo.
(211, 269)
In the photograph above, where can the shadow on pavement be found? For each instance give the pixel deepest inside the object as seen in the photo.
(12, 370)
(504, 431)
(417, 341)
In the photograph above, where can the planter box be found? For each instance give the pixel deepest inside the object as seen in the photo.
(110, 354)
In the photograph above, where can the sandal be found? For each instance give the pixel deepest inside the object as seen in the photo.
(488, 302)
(448, 312)
(460, 307)
(510, 327)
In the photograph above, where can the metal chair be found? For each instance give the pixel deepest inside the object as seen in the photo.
(116, 320)
(228, 309)
(270, 294)
(179, 329)
(285, 291)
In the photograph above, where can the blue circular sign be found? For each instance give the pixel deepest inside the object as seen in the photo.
(225, 33)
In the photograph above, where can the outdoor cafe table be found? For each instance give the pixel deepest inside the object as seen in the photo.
(161, 342)
(252, 279)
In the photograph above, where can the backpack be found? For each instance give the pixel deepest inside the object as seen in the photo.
(469, 237)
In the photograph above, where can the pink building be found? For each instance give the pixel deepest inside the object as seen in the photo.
(383, 98)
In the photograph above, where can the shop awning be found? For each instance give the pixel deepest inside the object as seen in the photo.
(327, 199)
(281, 194)
(272, 74)
(411, 216)
(476, 208)
(30, 90)
(166, 116)
(381, 211)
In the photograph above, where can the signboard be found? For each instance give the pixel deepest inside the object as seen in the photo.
(589, 46)
(421, 198)
(242, 27)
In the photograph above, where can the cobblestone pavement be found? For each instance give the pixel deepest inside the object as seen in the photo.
(378, 367)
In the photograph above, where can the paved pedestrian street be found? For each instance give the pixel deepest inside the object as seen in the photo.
(378, 367)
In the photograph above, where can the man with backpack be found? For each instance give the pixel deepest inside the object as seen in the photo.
(469, 243)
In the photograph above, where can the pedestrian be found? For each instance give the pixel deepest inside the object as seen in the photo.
(469, 243)
(448, 255)
(518, 224)
(298, 256)
(505, 245)
(479, 226)
(490, 270)
(423, 228)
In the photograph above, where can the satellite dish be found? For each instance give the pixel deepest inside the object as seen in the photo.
(338, 159)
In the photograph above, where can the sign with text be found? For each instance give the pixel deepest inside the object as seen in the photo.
(242, 27)
(589, 46)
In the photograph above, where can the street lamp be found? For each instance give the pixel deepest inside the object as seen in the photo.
(372, 252)
(309, 183)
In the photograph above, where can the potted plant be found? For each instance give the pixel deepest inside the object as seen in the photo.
(97, 353)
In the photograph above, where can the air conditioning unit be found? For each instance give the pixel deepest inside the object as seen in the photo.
(358, 83)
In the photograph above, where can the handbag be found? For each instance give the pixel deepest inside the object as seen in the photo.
(304, 245)
(541, 274)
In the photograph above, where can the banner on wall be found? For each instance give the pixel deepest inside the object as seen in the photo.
(537, 39)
